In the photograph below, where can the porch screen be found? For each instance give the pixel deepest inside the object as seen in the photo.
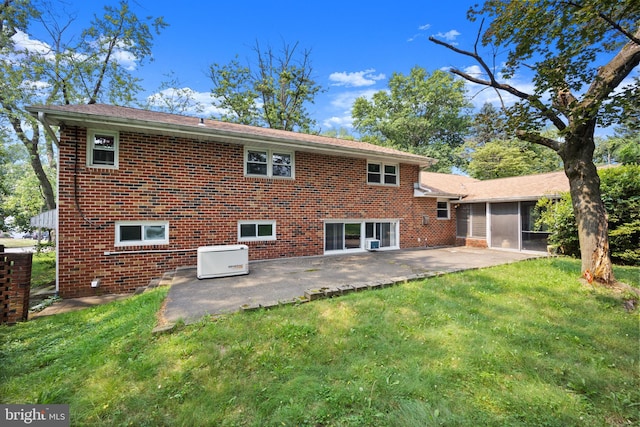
(505, 225)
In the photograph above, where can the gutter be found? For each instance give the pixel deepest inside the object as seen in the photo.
(43, 119)
(420, 191)
(200, 131)
(512, 199)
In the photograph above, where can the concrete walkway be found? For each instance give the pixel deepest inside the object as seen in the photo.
(273, 281)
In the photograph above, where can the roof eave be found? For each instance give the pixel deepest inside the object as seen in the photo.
(510, 199)
(202, 132)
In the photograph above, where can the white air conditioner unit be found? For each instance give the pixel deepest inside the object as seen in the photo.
(222, 261)
(372, 244)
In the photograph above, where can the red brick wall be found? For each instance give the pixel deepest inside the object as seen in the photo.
(15, 285)
(200, 188)
(471, 242)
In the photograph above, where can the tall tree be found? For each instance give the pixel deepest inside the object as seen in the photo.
(501, 159)
(421, 112)
(97, 66)
(489, 124)
(580, 51)
(273, 92)
(174, 98)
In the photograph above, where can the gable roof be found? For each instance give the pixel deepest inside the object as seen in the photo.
(107, 117)
(516, 188)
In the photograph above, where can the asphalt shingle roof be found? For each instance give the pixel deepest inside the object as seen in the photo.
(164, 123)
(529, 187)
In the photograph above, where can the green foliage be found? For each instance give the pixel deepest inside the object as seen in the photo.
(500, 159)
(558, 219)
(620, 188)
(173, 98)
(564, 43)
(273, 92)
(621, 196)
(489, 124)
(93, 66)
(422, 113)
(616, 149)
(523, 344)
(24, 199)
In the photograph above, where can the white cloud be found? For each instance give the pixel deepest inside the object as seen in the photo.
(346, 121)
(418, 35)
(356, 79)
(345, 100)
(23, 42)
(185, 101)
(449, 35)
(343, 103)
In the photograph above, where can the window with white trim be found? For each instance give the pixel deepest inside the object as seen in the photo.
(382, 174)
(102, 148)
(251, 231)
(442, 209)
(268, 163)
(138, 233)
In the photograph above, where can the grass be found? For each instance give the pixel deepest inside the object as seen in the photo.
(43, 269)
(524, 344)
(43, 272)
(17, 243)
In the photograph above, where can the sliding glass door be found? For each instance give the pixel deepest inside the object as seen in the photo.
(349, 236)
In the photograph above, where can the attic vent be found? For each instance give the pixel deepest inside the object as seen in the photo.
(425, 219)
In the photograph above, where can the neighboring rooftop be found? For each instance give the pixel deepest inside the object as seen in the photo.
(145, 121)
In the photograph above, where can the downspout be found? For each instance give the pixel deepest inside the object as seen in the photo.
(43, 119)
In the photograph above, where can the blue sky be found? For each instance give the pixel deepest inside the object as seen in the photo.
(355, 46)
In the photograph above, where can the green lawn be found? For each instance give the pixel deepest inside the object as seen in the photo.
(524, 344)
(43, 267)
(17, 243)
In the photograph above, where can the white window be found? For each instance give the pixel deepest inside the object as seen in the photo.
(102, 149)
(442, 209)
(383, 174)
(132, 233)
(249, 231)
(268, 163)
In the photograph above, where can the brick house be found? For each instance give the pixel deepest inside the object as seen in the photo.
(140, 191)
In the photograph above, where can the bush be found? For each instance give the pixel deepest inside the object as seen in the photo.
(620, 188)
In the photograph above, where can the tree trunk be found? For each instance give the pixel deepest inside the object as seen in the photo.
(591, 216)
(34, 158)
(43, 179)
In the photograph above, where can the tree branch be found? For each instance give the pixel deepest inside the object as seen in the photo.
(539, 139)
(492, 82)
(635, 38)
(611, 75)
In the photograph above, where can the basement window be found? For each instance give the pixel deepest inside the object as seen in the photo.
(251, 231)
(142, 233)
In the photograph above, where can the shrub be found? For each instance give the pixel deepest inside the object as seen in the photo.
(620, 188)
